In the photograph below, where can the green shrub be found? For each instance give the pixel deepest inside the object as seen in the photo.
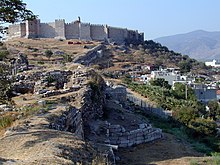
(40, 62)
(5, 121)
(194, 162)
(3, 54)
(201, 147)
(48, 53)
(216, 158)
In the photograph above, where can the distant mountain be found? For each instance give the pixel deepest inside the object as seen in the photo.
(201, 45)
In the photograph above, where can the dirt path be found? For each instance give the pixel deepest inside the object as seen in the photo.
(166, 151)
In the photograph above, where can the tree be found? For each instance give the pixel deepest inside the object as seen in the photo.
(67, 58)
(203, 126)
(11, 11)
(185, 66)
(14, 11)
(185, 114)
(214, 109)
(160, 82)
(48, 53)
(179, 92)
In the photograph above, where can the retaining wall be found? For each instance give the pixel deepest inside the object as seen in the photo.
(145, 133)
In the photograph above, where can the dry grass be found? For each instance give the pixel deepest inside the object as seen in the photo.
(35, 48)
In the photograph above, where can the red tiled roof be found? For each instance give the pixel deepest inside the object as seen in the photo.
(218, 92)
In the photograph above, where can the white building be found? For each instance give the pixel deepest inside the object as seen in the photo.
(212, 63)
(169, 74)
(144, 78)
(204, 93)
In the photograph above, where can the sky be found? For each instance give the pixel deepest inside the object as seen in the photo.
(156, 18)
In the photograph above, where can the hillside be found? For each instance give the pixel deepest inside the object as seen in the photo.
(61, 109)
(201, 45)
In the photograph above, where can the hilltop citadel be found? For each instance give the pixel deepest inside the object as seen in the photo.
(74, 30)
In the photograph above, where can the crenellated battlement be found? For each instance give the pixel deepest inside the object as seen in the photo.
(99, 25)
(74, 30)
(117, 28)
(86, 24)
(60, 20)
(71, 23)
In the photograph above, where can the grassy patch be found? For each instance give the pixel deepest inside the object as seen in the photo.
(6, 121)
(216, 158)
(180, 132)
(213, 160)
(200, 147)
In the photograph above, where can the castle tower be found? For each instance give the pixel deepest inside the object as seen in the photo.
(60, 29)
(106, 31)
(84, 31)
(32, 28)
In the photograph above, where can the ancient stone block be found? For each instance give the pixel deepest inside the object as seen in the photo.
(124, 141)
(140, 134)
(130, 143)
(114, 141)
(123, 138)
(123, 145)
(140, 138)
(139, 141)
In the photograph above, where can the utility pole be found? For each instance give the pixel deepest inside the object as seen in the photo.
(186, 90)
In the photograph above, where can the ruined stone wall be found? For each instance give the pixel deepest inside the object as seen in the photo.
(85, 31)
(117, 34)
(72, 30)
(47, 30)
(145, 133)
(118, 93)
(74, 122)
(90, 56)
(60, 28)
(99, 32)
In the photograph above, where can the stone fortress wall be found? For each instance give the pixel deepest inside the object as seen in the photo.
(74, 30)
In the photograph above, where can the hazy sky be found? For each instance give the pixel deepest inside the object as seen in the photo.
(156, 18)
